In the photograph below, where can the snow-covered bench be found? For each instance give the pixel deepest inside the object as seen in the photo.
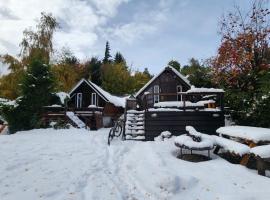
(208, 142)
(262, 155)
(230, 146)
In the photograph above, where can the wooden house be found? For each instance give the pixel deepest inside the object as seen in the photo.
(88, 99)
(87, 105)
(168, 102)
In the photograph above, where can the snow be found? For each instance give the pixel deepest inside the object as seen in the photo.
(246, 132)
(225, 144)
(117, 101)
(187, 141)
(262, 151)
(192, 131)
(3, 100)
(178, 104)
(163, 110)
(163, 135)
(76, 119)
(55, 105)
(62, 96)
(204, 90)
(50, 164)
(231, 146)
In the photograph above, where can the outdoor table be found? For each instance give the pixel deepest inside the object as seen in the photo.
(251, 136)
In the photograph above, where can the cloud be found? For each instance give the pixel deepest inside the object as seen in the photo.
(143, 23)
(80, 21)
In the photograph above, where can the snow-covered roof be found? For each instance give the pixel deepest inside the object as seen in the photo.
(62, 96)
(193, 89)
(155, 77)
(246, 132)
(115, 100)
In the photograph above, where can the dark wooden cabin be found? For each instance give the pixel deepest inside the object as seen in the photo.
(168, 81)
(88, 105)
(169, 103)
(86, 98)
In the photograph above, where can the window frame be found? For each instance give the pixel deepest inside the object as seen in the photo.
(156, 96)
(178, 92)
(92, 96)
(79, 100)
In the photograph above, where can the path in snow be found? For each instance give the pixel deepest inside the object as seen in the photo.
(78, 164)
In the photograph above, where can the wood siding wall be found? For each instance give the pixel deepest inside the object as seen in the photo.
(175, 122)
(86, 91)
(167, 82)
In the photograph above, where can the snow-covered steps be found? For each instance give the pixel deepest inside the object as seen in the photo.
(76, 120)
(134, 126)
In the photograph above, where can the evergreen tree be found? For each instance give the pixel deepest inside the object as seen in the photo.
(147, 74)
(107, 54)
(95, 70)
(175, 64)
(118, 58)
(198, 75)
(37, 87)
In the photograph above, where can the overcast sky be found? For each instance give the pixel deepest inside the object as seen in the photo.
(148, 33)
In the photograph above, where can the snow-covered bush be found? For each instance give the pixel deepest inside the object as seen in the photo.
(60, 124)
(163, 136)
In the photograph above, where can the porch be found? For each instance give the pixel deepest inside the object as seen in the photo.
(203, 110)
(91, 117)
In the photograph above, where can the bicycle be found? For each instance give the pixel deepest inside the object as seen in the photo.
(116, 131)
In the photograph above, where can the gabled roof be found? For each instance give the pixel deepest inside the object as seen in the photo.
(155, 77)
(106, 96)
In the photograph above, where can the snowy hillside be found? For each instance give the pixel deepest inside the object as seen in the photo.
(77, 164)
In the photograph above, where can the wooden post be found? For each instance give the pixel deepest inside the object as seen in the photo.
(221, 96)
(260, 164)
(184, 106)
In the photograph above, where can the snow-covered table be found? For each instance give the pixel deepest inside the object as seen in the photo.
(188, 142)
(252, 136)
(247, 134)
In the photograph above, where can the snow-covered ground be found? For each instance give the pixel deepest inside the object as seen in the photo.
(77, 164)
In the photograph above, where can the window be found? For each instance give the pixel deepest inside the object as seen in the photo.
(156, 93)
(179, 89)
(79, 100)
(94, 99)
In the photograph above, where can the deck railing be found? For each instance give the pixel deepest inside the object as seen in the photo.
(184, 97)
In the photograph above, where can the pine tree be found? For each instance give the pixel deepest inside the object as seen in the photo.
(175, 64)
(119, 58)
(107, 54)
(147, 74)
(36, 88)
(95, 70)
